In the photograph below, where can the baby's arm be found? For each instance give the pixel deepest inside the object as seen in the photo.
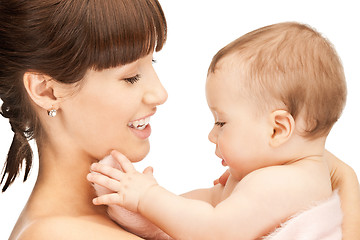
(344, 178)
(257, 205)
(209, 195)
(135, 222)
(179, 217)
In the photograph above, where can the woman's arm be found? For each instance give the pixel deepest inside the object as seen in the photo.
(343, 177)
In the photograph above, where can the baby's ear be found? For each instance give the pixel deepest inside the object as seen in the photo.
(283, 125)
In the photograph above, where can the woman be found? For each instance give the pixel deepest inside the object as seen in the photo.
(77, 76)
(47, 48)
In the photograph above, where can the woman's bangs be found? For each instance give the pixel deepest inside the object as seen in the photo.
(121, 32)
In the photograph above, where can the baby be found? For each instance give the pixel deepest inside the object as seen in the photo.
(275, 93)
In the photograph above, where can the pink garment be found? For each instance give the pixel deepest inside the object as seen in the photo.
(321, 222)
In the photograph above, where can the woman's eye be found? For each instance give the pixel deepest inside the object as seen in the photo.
(153, 61)
(133, 79)
(220, 124)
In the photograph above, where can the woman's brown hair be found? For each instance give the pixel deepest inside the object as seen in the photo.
(63, 39)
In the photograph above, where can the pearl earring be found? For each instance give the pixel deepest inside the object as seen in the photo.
(52, 112)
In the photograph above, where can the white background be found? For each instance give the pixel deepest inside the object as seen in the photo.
(182, 156)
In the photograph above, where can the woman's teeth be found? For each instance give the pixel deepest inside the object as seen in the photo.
(139, 124)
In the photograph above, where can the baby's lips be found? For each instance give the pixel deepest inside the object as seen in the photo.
(223, 163)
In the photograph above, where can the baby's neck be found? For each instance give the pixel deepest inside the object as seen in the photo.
(300, 148)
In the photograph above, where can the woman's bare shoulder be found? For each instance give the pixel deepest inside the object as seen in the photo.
(69, 228)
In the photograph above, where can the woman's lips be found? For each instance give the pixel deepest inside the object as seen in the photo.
(142, 134)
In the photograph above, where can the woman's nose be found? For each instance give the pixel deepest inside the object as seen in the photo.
(156, 93)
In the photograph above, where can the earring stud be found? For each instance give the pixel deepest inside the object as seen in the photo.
(52, 112)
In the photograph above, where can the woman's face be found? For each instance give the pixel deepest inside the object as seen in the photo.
(112, 108)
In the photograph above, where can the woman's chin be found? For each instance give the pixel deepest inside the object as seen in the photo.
(134, 152)
(138, 157)
(137, 154)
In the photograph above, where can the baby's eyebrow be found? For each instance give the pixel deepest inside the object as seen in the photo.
(216, 110)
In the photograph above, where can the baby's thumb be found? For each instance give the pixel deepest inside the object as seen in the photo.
(148, 170)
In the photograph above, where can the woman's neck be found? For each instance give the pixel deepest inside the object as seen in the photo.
(62, 181)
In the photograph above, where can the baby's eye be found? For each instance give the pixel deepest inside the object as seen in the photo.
(220, 124)
(153, 60)
(133, 79)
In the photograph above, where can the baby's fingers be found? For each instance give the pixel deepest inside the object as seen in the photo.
(106, 170)
(104, 181)
(112, 198)
(125, 163)
(148, 170)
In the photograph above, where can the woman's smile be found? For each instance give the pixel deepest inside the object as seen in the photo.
(141, 123)
(142, 133)
(141, 127)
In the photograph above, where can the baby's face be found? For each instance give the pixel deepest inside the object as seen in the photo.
(240, 133)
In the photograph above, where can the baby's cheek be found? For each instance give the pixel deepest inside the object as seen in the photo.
(228, 149)
(232, 150)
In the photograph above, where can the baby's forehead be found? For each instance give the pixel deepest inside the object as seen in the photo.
(230, 69)
(230, 62)
(228, 81)
(232, 74)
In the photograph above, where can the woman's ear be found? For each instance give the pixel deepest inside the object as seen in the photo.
(283, 125)
(40, 89)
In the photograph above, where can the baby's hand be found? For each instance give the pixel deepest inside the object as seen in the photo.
(130, 186)
(130, 221)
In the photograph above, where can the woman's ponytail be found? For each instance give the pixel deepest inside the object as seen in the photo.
(19, 152)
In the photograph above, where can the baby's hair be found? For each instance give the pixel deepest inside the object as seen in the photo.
(63, 39)
(290, 65)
